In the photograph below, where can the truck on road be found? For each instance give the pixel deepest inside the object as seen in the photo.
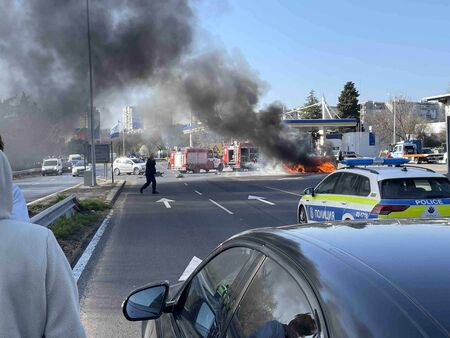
(194, 160)
(240, 156)
(412, 150)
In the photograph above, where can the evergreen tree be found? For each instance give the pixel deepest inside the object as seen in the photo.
(348, 105)
(314, 112)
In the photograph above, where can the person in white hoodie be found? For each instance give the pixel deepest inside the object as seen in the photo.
(38, 294)
(19, 209)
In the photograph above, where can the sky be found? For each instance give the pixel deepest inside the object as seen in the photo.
(388, 48)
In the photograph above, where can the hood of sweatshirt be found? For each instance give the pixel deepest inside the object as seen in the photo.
(6, 193)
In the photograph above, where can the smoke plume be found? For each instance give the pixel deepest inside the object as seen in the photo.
(135, 44)
(223, 93)
(44, 46)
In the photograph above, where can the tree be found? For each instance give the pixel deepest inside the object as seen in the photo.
(314, 112)
(348, 105)
(408, 125)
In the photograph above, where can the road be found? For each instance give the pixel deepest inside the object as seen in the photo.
(148, 241)
(34, 187)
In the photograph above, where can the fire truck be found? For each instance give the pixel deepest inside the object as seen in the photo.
(239, 156)
(194, 159)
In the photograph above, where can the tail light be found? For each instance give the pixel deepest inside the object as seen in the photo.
(386, 209)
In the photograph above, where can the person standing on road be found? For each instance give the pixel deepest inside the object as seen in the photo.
(150, 171)
(19, 209)
(38, 293)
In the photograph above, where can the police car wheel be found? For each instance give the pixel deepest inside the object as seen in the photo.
(302, 218)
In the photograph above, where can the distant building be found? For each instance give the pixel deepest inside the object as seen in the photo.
(131, 118)
(428, 111)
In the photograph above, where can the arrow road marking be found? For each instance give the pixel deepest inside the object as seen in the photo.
(261, 199)
(166, 202)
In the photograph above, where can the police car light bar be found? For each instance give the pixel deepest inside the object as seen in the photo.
(374, 161)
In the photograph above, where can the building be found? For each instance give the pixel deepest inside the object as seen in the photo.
(428, 111)
(131, 119)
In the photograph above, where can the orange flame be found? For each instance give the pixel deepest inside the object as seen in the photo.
(325, 167)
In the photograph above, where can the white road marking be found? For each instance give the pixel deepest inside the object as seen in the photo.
(166, 202)
(290, 178)
(261, 199)
(84, 259)
(285, 191)
(198, 192)
(195, 261)
(185, 184)
(221, 207)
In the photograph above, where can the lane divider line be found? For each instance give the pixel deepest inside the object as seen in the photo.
(185, 184)
(86, 256)
(195, 261)
(198, 192)
(285, 191)
(221, 207)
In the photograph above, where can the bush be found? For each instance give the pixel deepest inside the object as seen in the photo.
(95, 204)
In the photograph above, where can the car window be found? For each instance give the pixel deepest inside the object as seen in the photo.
(347, 184)
(274, 305)
(327, 185)
(363, 186)
(411, 188)
(51, 162)
(210, 294)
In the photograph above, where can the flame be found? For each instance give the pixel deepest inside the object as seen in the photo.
(322, 166)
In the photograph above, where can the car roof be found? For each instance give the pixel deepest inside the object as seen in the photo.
(385, 172)
(404, 262)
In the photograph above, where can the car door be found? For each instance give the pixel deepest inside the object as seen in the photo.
(275, 305)
(208, 297)
(128, 166)
(316, 205)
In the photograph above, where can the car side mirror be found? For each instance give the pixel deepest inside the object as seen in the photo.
(146, 303)
(309, 191)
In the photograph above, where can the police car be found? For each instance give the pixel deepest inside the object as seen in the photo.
(376, 188)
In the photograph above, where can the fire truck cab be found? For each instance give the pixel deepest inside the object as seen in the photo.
(240, 156)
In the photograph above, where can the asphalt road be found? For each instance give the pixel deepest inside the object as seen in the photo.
(34, 187)
(146, 241)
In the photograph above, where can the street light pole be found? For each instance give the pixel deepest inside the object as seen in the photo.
(395, 119)
(91, 106)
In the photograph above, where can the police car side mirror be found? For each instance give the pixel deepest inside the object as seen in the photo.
(309, 191)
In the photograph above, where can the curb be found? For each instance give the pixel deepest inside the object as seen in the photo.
(112, 195)
(52, 195)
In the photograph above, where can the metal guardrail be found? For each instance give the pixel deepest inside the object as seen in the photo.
(27, 172)
(63, 208)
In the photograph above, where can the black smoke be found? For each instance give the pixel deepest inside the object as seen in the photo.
(44, 47)
(223, 93)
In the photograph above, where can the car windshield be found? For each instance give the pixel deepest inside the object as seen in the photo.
(136, 160)
(79, 164)
(414, 188)
(50, 162)
(427, 151)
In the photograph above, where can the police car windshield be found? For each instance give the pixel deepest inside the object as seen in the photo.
(412, 188)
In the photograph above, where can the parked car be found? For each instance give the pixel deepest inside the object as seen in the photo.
(125, 165)
(52, 166)
(326, 280)
(79, 168)
(75, 157)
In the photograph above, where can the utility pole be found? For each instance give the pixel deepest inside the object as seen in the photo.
(395, 118)
(123, 139)
(190, 134)
(91, 108)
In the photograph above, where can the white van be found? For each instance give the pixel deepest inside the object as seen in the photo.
(73, 158)
(52, 166)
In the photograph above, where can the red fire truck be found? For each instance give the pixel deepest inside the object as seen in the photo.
(194, 159)
(240, 156)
